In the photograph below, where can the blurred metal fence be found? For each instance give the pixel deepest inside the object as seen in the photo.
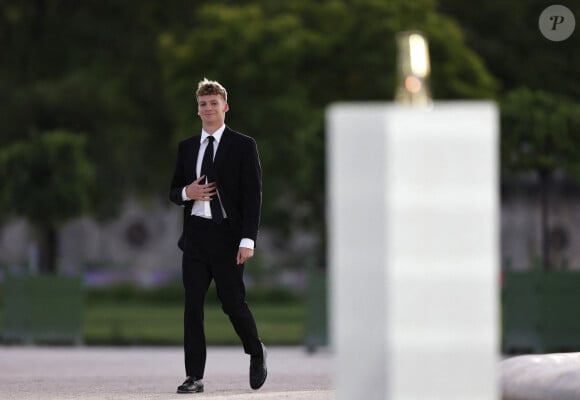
(540, 311)
(42, 309)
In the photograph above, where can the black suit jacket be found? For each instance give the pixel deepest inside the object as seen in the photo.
(238, 176)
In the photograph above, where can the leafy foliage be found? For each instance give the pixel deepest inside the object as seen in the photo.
(89, 67)
(540, 132)
(284, 62)
(505, 34)
(125, 74)
(47, 179)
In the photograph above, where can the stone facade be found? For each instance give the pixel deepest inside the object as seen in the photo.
(521, 216)
(140, 245)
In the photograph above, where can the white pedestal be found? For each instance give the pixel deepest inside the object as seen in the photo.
(413, 250)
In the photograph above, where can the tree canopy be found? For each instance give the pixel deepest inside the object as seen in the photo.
(284, 62)
(125, 73)
(506, 35)
(47, 179)
(541, 133)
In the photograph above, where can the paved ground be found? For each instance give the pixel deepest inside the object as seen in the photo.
(63, 373)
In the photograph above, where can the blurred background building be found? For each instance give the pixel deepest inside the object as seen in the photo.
(140, 244)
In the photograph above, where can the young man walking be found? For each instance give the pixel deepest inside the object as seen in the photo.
(218, 181)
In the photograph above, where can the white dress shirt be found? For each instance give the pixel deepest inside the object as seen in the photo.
(202, 208)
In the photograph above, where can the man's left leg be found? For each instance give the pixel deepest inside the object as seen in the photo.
(228, 278)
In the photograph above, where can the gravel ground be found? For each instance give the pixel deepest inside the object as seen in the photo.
(62, 373)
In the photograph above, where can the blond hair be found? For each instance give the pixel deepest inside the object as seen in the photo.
(207, 87)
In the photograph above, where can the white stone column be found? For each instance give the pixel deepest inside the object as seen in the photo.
(413, 250)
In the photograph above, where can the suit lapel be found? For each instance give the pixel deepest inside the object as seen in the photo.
(222, 149)
(192, 159)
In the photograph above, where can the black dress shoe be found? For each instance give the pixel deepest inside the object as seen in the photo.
(191, 385)
(258, 370)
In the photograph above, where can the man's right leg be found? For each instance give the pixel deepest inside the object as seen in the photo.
(196, 280)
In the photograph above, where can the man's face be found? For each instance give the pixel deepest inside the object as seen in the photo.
(212, 109)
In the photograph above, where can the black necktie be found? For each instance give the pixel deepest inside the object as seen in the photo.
(207, 170)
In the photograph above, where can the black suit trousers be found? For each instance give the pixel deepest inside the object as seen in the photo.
(209, 253)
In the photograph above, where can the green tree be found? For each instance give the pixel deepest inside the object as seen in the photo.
(540, 133)
(47, 180)
(124, 73)
(90, 67)
(284, 62)
(506, 36)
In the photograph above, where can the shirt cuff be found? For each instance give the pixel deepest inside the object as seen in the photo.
(247, 243)
(184, 194)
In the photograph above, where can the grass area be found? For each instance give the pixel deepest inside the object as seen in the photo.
(132, 323)
(125, 315)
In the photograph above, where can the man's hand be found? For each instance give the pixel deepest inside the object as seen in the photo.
(200, 191)
(244, 254)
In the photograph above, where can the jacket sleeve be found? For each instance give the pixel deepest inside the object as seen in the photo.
(251, 193)
(178, 181)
